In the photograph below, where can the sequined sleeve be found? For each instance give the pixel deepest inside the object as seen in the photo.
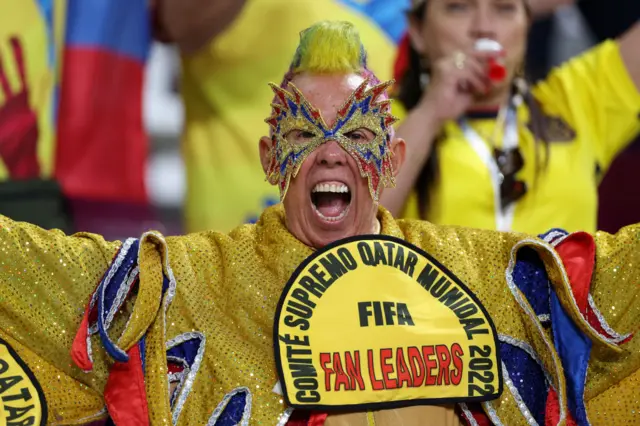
(46, 279)
(613, 380)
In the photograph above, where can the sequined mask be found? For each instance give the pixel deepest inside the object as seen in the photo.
(360, 111)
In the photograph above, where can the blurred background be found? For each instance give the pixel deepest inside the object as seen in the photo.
(119, 116)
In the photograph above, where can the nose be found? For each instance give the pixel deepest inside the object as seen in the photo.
(330, 154)
(483, 25)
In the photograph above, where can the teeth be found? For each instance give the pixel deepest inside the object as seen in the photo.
(325, 187)
(332, 219)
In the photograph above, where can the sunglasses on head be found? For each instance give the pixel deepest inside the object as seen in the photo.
(510, 162)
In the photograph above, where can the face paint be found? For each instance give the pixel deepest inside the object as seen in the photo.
(361, 111)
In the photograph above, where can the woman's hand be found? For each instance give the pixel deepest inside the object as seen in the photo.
(455, 80)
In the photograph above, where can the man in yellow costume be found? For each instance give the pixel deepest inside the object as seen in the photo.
(230, 49)
(327, 311)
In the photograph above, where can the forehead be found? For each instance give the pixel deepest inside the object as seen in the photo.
(327, 93)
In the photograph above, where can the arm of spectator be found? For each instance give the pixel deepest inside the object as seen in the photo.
(191, 24)
(630, 54)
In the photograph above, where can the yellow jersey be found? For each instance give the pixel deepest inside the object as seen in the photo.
(592, 106)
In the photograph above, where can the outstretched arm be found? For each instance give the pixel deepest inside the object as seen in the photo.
(46, 279)
(191, 24)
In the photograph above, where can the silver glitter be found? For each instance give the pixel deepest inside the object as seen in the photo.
(516, 395)
(284, 418)
(86, 419)
(529, 311)
(529, 350)
(555, 237)
(617, 337)
(121, 295)
(193, 370)
(491, 412)
(112, 271)
(246, 415)
(544, 318)
(467, 415)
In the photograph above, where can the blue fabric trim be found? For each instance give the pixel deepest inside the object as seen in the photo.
(560, 230)
(120, 277)
(110, 292)
(234, 410)
(574, 348)
(186, 350)
(528, 377)
(531, 278)
(142, 344)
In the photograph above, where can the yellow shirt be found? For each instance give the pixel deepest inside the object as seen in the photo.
(227, 99)
(594, 95)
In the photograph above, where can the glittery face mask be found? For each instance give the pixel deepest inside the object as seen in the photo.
(361, 111)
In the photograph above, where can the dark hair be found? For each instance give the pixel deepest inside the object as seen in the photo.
(409, 91)
(409, 94)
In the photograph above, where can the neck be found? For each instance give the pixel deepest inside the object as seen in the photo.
(492, 101)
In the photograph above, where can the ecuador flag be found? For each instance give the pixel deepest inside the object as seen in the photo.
(71, 75)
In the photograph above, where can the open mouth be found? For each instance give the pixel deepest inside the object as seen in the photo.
(331, 201)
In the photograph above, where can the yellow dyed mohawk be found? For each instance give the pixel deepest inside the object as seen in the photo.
(329, 47)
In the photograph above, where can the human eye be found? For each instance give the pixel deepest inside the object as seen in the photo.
(505, 6)
(361, 135)
(300, 136)
(456, 6)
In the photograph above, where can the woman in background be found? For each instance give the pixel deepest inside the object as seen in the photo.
(497, 154)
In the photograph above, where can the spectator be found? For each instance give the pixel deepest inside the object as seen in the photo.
(510, 157)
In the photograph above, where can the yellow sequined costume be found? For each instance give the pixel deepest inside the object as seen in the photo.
(223, 289)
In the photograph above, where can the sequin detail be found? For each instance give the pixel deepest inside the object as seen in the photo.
(555, 236)
(471, 421)
(532, 315)
(361, 110)
(181, 348)
(285, 417)
(243, 407)
(516, 395)
(616, 337)
(493, 415)
(529, 350)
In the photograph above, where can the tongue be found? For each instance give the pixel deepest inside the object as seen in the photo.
(330, 204)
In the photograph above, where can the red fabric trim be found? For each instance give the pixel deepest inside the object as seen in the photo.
(79, 349)
(125, 393)
(552, 411)
(299, 418)
(317, 419)
(594, 321)
(578, 254)
(478, 415)
(174, 368)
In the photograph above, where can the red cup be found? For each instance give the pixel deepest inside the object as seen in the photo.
(497, 70)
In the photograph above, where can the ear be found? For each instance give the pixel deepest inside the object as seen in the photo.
(399, 149)
(415, 34)
(264, 146)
